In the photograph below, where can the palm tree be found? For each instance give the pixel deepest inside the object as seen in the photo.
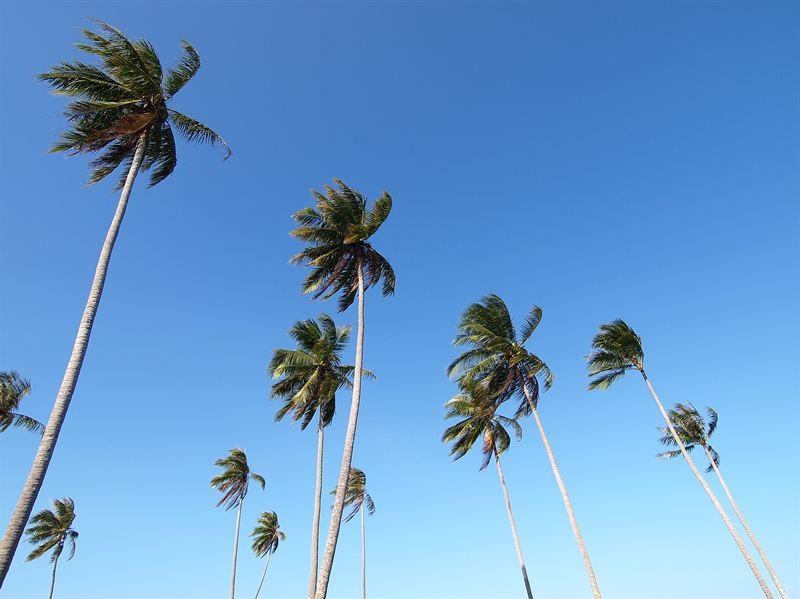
(267, 535)
(233, 483)
(309, 377)
(476, 410)
(499, 360)
(53, 530)
(356, 498)
(121, 110)
(13, 389)
(343, 261)
(695, 432)
(618, 349)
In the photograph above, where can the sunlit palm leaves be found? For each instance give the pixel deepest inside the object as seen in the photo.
(267, 534)
(235, 478)
(13, 389)
(617, 349)
(356, 497)
(692, 430)
(52, 529)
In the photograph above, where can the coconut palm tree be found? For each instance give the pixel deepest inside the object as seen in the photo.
(498, 359)
(233, 483)
(52, 529)
(267, 535)
(121, 110)
(358, 500)
(309, 377)
(695, 432)
(13, 389)
(476, 410)
(342, 260)
(618, 349)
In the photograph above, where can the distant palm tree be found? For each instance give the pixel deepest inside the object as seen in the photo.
(310, 376)
(618, 349)
(356, 498)
(233, 483)
(499, 360)
(53, 530)
(266, 537)
(693, 432)
(120, 109)
(343, 261)
(479, 420)
(13, 389)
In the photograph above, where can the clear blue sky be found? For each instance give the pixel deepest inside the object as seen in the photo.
(633, 159)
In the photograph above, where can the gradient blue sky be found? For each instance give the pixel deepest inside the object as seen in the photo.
(634, 159)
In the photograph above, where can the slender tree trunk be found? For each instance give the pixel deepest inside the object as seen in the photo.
(312, 585)
(747, 529)
(363, 556)
(576, 531)
(264, 575)
(517, 546)
(33, 484)
(53, 579)
(347, 453)
(709, 492)
(236, 547)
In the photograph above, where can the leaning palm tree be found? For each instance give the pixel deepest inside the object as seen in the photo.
(695, 432)
(358, 500)
(343, 261)
(233, 483)
(267, 535)
(618, 349)
(478, 420)
(120, 111)
(52, 529)
(13, 389)
(309, 377)
(498, 359)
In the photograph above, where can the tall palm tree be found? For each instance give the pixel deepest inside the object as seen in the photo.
(358, 500)
(13, 389)
(695, 432)
(478, 420)
(342, 260)
(121, 110)
(52, 529)
(618, 349)
(267, 535)
(498, 359)
(309, 377)
(233, 483)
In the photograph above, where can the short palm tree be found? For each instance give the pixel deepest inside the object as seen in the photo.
(13, 389)
(233, 483)
(342, 260)
(121, 109)
(359, 501)
(618, 349)
(499, 360)
(267, 535)
(52, 529)
(478, 420)
(695, 432)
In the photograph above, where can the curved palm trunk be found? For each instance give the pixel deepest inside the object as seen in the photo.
(363, 557)
(263, 576)
(53, 579)
(709, 492)
(576, 531)
(312, 585)
(747, 529)
(33, 484)
(347, 453)
(236, 547)
(517, 546)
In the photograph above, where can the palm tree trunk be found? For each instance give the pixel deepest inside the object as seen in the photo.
(709, 492)
(517, 546)
(264, 575)
(363, 557)
(33, 484)
(747, 529)
(312, 585)
(347, 453)
(576, 531)
(53, 579)
(236, 547)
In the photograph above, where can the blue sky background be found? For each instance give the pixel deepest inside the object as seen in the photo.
(633, 159)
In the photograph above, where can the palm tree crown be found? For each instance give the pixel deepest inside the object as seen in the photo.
(337, 232)
(123, 98)
(13, 389)
(53, 529)
(617, 349)
(356, 496)
(267, 534)
(692, 430)
(234, 481)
